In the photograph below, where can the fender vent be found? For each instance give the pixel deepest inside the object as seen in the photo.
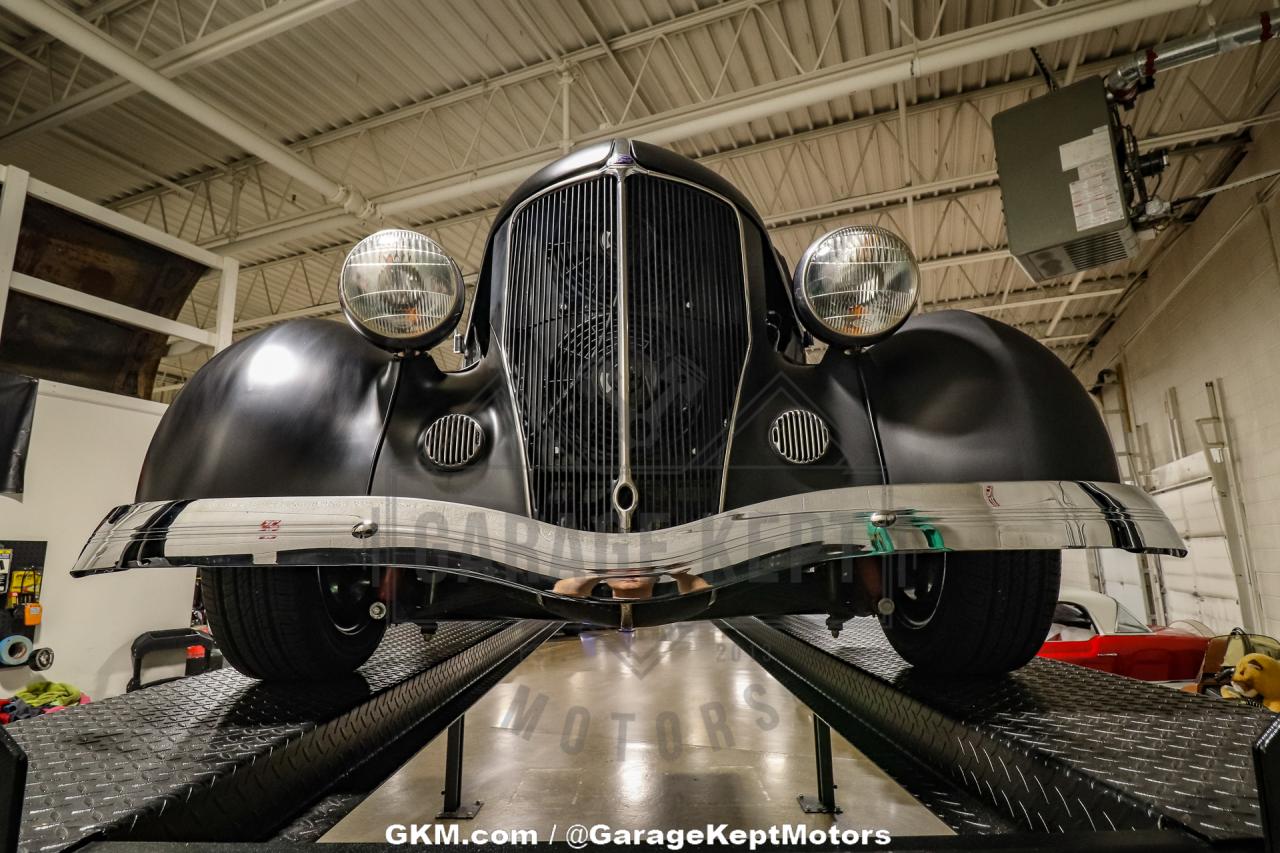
(453, 441)
(799, 436)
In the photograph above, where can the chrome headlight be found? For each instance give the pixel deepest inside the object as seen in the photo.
(400, 290)
(856, 285)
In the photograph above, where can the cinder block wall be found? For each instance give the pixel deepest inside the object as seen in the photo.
(1210, 310)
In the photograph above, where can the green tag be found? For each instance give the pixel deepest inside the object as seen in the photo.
(881, 541)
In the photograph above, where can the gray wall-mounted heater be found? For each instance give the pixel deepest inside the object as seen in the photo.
(1060, 177)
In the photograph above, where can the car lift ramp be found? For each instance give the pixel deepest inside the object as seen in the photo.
(1051, 748)
(222, 757)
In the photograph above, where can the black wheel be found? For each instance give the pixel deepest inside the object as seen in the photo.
(287, 624)
(972, 613)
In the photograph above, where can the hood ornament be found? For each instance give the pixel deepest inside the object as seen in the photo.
(621, 162)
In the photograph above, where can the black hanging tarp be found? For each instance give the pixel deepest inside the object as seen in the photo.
(17, 406)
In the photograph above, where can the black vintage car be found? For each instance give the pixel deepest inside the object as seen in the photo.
(635, 438)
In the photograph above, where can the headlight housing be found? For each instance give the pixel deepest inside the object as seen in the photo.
(401, 290)
(856, 285)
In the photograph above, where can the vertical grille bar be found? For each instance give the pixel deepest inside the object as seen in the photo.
(685, 318)
(559, 334)
(688, 342)
(624, 489)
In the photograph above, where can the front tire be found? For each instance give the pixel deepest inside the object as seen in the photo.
(291, 624)
(972, 613)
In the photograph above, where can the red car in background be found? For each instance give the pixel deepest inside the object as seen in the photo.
(1094, 630)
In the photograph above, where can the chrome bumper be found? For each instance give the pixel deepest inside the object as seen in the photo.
(796, 530)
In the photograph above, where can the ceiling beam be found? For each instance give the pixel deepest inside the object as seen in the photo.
(333, 307)
(977, 305)
(81, 36)
(1187, 142)
(982, 256)
(482, 88)
(885, 198)
(248, 31)
(93, 12)
(1063, 340)
(974, 44)
(933, 191)
(1063, 299)
(1036, 295)
(303, 220)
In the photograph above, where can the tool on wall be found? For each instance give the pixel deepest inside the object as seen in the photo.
(21, 579)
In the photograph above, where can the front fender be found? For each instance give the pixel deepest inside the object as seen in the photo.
(958, 397)
(297, 409)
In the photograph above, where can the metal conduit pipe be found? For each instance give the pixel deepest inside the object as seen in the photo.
(1123, 81)
(81, 36)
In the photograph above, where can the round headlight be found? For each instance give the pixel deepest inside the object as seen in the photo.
(856, 285)
(400, 290)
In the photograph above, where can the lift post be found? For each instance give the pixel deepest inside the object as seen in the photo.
(825, 802)
(453, 806)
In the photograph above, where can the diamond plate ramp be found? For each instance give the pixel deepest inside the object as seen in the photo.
(1052, 747)
(224, 757)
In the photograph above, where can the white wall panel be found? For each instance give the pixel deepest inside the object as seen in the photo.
(1076, 569)
(1122, 580)
(1201, 586)
(86, 452)
(1181, 331)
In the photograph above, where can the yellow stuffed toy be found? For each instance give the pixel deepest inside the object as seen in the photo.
(1256, 677)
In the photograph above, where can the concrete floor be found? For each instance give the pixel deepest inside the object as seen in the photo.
(666, 727)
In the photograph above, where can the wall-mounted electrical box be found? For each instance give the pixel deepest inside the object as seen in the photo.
(1058, 157)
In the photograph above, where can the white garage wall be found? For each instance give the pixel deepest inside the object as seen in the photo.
(1202, 586)
(86, 450)
(1213, 301)
(1075, 569)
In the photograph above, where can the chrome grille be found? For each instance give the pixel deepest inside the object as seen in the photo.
(686, 328)
(560, 337)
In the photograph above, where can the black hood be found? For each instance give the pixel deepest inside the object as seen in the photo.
(593, 157)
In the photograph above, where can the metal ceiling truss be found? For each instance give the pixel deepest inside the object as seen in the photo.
(200, 46)
(250, 179)
(532, 98)
(654, 88)
(465, 233)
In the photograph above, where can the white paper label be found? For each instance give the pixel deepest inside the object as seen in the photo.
(1095, 195)
(1095, 146)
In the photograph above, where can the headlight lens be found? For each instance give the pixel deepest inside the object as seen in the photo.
(400, 290)
(856, 285)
